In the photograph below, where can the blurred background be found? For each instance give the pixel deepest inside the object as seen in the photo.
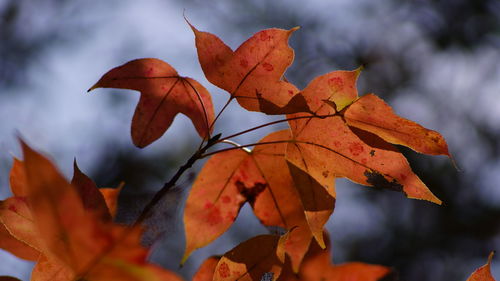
(436, 62)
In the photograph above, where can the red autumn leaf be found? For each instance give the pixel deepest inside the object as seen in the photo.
(77, 241)
(110, 270)
(101, 200)
(339, 151)
(484, 272)
(214, 200)
(353, 271)
(90, 195)
(206, 270)
(253, 74)
(230, 179)
(163, 94)
(119, 270)
(317, 265)
(111, 198)
(253, 258)
(336, 87)
(318, 201)
(17, 178)
(345, 152)
(16, 247)
(16, 217)
(333, 87)
(46, 270)
(279, 204)
(370, 113)
(19, 233)
(50, 197)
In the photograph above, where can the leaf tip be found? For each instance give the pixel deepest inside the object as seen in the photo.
(319, 238)
(140, 144)
(189, 23)
(490, 257)
(431, 198)
(76, 170)
(184, 258)
(95, 86)
(436, 200)
(454, 162)
(359, 69)
(24, 146)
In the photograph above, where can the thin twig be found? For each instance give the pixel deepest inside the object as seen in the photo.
(220, 112)
(146, 212)
(273, 123)
(245, 145)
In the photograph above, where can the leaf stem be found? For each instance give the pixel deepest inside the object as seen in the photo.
(243, 146)
(273, 123)
(200, 153)
(146, 212)
(220, 112)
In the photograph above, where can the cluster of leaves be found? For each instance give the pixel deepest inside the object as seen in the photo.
(288, 178)
(67, 228)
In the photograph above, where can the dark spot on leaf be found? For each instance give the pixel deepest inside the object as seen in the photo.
(336, 83)
(213, 214)
(356, 148)
(325, 174)
(264, 36)
(379, 181)
(12, 208)
(224, 271)
(268, 66)
(372, 152)
(250, 193)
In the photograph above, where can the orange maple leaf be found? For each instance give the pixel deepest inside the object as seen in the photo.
(326, 147)
(73, 239)
(260, 177)
(163, 94)
(484, 272)
(253, 74)
(251, 259)
(317, 265)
